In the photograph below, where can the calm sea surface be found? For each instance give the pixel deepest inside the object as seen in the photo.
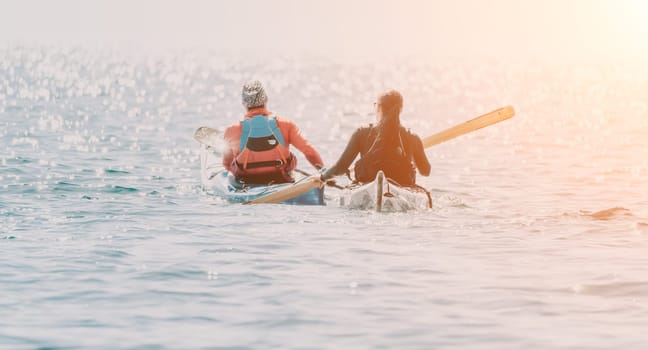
(538, 238)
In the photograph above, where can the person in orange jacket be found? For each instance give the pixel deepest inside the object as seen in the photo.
(258, 149)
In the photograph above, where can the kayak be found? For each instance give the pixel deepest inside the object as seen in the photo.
(222, 184)
(385, 195)
(382, 194)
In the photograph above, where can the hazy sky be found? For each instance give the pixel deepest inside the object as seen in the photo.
(440, 28)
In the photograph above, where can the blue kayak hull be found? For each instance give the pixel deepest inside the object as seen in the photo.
(223, 185)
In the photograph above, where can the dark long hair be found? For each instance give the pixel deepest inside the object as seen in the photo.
(387, 152)
(391, 104)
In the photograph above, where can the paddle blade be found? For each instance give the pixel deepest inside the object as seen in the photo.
(208, 136)
(290, 192)
(483, 121)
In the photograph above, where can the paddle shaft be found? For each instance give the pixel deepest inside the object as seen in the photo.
(290, 192)
(482, 121)
(328, 182)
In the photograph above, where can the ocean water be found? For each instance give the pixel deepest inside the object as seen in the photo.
(538, 235)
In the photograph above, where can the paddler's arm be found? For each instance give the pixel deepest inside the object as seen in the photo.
(297, 139)
(420, 159)
(229, 136)
(228, 158)
(350, 152)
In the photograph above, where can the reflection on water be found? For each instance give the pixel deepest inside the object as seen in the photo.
(536, 238)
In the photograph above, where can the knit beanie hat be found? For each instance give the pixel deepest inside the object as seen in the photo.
(254, 94)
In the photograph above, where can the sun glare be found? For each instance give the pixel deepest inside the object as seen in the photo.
(628, 21)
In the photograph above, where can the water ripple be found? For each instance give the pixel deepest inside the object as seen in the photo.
(537, 237)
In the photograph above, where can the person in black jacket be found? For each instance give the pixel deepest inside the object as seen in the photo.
(387, 146)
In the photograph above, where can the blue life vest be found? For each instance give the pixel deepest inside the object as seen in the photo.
(263, 154)
(260, 133)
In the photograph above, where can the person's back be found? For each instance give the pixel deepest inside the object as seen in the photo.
(394, 157)
(259, 145)
(386, 146)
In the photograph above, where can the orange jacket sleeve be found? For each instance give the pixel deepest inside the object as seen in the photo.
(232, 138)
(294, 136)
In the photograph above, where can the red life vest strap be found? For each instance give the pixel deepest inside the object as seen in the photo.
(264, 164)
